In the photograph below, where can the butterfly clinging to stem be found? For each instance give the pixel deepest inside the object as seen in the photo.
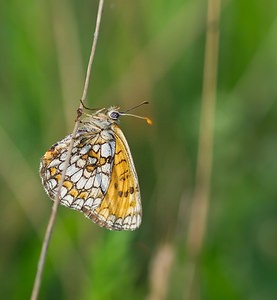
(100, 180)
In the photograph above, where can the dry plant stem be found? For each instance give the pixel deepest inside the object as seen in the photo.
(200, 203)
(52, 218)
(95, 38)
(160, 269)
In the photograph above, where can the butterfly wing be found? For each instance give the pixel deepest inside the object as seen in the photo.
(88, 175)
(101, 180)
(121, 207)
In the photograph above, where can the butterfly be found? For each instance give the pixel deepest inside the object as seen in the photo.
(101, 180)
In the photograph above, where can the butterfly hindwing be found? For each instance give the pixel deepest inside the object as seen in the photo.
(88, 174)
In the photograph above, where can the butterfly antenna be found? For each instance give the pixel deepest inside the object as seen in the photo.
(149, 121)
(142, 103)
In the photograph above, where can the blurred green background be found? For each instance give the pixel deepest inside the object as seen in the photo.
(147, 50)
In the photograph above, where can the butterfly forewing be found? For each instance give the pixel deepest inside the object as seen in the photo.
(121, 206)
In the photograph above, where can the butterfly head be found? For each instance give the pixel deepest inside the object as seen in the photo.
(107, 116)
(113, 113)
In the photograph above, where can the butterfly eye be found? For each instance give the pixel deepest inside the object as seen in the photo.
(114, 115)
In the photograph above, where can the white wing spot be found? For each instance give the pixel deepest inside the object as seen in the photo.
(106, 168)
(104, 182)
(138, 220)
(94, 192)
(78, 203)
(134, 220)
(87, 174)
(96, 203)
(97, 180)
(106, 150)
(76, 177)
(71, 170)
(111, 219)
(127, 221)
(88, 203)
(47, 174)
(89, 183)
(85, 149)
(52, 183)
(92, 160)
(95, 148)
(80, 163)
(118, 222)
(63, 156)
(67, 200)
(74, 158)
(63, 191)
(112, 144)
(54, 163)
(61, 166)
(81, 183)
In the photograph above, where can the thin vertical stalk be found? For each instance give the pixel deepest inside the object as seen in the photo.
(201, 197)
(53, 215)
